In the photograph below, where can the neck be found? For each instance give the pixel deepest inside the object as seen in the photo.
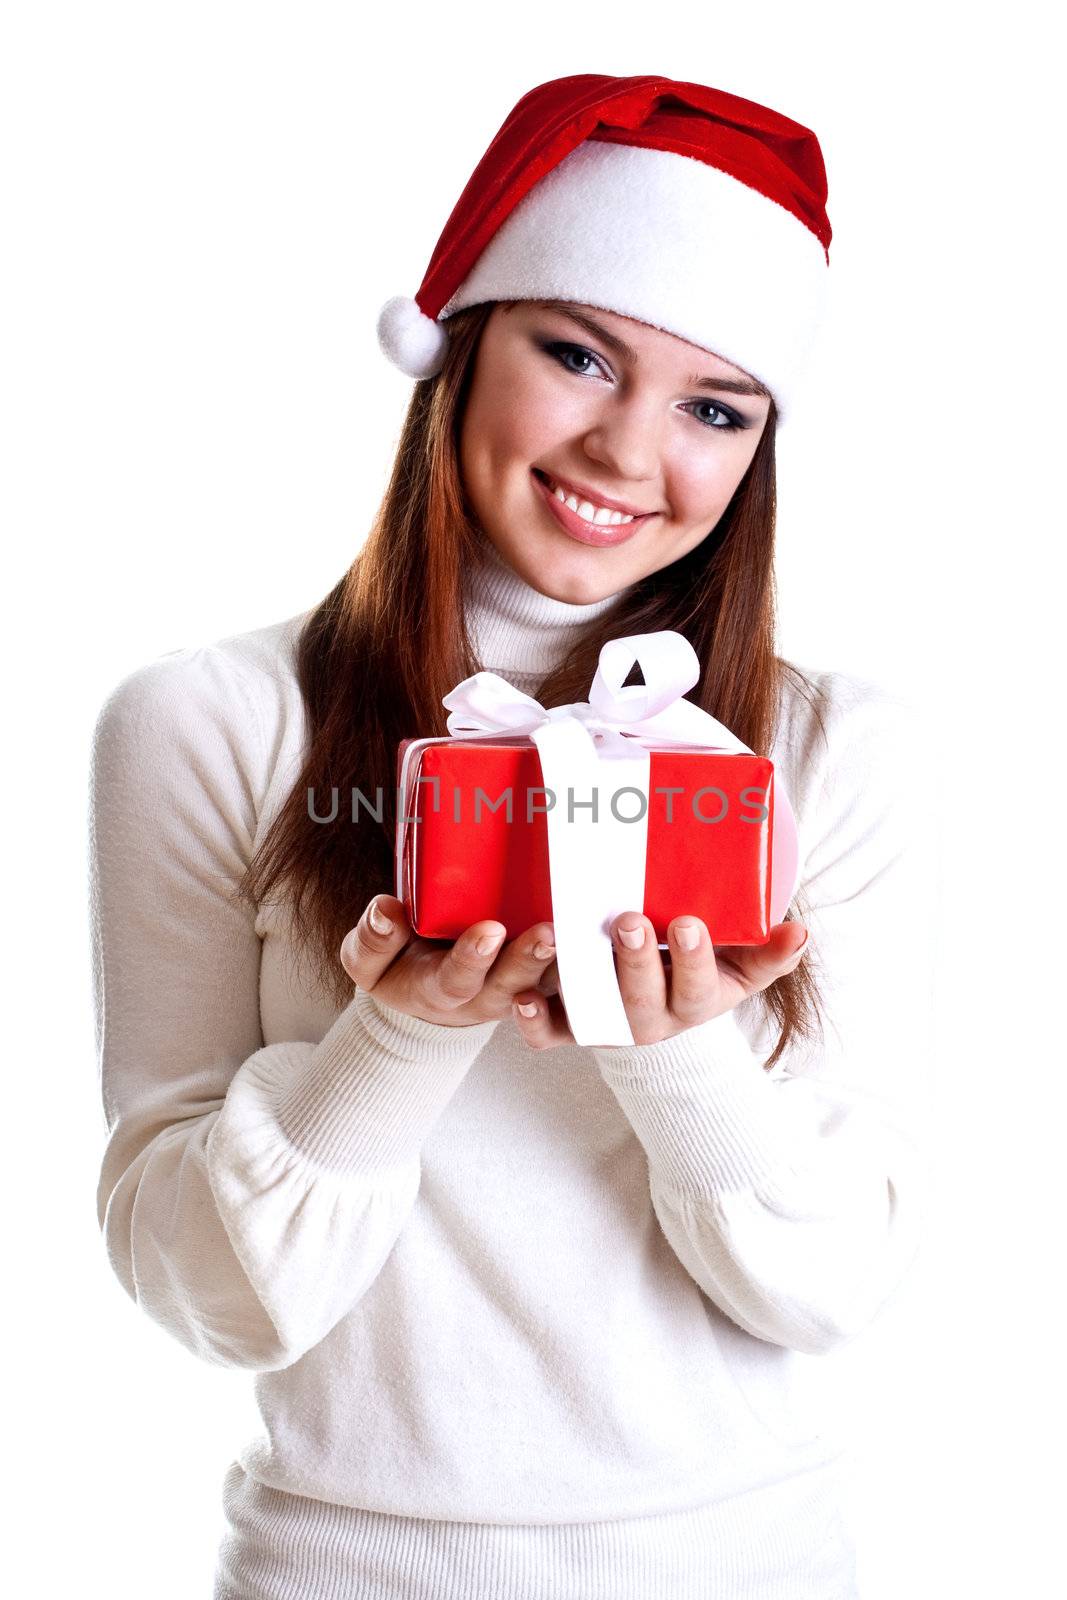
(515, 629)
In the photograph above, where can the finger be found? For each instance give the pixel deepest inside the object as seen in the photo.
(377, 939)
(755, 967)
(460, 975)
(522, 963)
(694, 979)
(547, 1026)
(642, 983)
(549, 980)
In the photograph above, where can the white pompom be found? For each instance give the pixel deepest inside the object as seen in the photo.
(410, 339)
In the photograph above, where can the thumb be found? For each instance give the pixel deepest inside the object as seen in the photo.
(367, 949)
(756, 967)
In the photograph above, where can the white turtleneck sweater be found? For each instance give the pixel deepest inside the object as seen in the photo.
(523, 1324)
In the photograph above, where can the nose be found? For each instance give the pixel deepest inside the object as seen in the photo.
(625, 441)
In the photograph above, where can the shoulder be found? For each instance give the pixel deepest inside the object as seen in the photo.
(829, 720)
(265, 656)
(224, 676)
(215, 712)
(239, 664)
(849, 747)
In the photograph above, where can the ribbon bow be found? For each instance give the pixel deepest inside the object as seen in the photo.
(487, 704)
(597, 867)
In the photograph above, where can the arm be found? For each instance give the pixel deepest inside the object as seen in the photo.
(249, 1193)
(794, 1198)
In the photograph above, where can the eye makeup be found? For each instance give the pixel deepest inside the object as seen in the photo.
(559, 350)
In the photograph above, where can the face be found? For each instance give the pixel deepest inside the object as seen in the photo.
(619, 417)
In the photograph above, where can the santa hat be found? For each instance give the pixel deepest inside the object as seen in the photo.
(687, 208)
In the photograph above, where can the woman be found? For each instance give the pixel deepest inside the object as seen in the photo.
(541, 1321)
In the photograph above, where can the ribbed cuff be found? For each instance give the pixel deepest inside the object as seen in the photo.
(375, 1085)
(709, 1117)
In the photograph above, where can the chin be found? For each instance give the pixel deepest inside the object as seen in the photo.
(586, 582)
(583, 595)
(580, 588)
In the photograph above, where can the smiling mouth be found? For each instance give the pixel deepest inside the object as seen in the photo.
(590, 510)
(576, 525)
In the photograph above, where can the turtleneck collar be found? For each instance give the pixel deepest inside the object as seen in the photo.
(515, 629)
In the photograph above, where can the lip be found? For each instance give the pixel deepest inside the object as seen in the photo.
(586, 533)
(583, 492)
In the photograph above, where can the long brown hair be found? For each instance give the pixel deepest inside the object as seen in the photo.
(375, 657)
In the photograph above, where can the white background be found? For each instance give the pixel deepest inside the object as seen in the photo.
(203, 208)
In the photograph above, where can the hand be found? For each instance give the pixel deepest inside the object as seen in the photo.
(459, 985)
(702, 982)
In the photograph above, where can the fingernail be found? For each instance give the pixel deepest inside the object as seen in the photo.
(632, 938)
(488, 943)
(542, 950)
(378, 920)
(528, 1010)
(687, 934)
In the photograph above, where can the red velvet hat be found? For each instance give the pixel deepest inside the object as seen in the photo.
(682, 206)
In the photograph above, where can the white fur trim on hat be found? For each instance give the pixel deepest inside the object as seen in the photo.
(670, 241)
(410, 339)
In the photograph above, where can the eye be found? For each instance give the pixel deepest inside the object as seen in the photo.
(730, 418)
(560, 352)
(563, 352)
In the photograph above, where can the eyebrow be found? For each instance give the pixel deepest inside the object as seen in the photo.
(621, 348)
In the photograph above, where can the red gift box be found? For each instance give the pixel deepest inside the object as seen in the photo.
(709, 848)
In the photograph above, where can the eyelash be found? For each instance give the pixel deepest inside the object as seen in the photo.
(557, 348)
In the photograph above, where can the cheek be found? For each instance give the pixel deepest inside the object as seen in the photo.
(488, 439)
(493, 422)
(704, 482)
(537, 410)
(700, 497)
(525, 427)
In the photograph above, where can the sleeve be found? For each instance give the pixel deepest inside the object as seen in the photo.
(794, 1197)
(249, 1193)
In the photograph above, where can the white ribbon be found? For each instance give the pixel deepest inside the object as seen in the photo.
(597, 867)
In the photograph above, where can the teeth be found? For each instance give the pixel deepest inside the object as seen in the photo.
(588, 512)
